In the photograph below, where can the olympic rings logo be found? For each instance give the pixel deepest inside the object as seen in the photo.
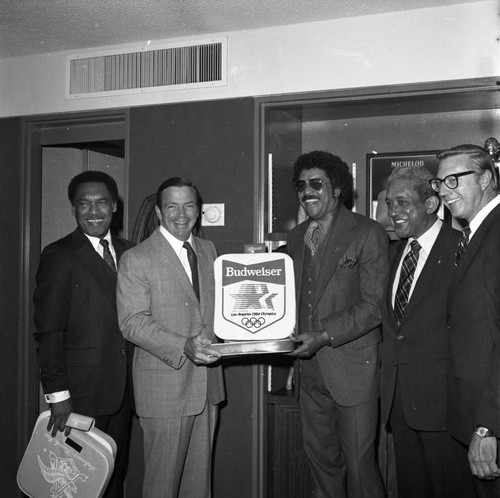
(253, 322)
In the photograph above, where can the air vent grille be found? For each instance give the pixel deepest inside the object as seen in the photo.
(169, 67)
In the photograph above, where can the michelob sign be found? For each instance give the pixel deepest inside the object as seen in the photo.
(254, 296)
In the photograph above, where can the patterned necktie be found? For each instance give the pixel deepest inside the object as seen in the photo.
(193, 263)
(405, 280)
(309, 237)
(462, 244)
(107, 255)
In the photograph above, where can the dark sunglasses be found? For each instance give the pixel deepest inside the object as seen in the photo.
(314, 183)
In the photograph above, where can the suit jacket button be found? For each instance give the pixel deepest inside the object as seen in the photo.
(122, 350)
(400, 337)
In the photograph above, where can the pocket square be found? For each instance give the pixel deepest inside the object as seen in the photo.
(346, 263)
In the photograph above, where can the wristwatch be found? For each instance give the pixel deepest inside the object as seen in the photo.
(483, 431)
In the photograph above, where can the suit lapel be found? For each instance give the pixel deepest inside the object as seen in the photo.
(493, 219)
(341, 235)
(168, 256)
(94, 264)
(119, 247)
(297, 250)
(441, 250)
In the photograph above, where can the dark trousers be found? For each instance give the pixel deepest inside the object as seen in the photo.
(339, 441)
(429, 464)
(486, 489)
(118, 426)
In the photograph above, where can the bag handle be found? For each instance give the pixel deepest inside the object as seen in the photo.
(80, 422)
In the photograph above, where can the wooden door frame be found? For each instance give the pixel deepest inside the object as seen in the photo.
(441, 96)
(37, 133)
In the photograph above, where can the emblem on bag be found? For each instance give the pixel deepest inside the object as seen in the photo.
(62, 474)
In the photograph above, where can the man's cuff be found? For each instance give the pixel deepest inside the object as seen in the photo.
(57, 397)
(327, 338)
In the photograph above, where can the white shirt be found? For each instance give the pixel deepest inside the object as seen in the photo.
(177, 246)
(426, 241)
(95, 241)
(481, 215)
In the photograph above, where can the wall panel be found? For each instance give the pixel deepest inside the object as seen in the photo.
(11, 361)
(212, 144)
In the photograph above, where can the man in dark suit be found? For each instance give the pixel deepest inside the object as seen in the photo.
(415, 342)
(341, 264)
(81, 352)
(467, 183)
(165, 297)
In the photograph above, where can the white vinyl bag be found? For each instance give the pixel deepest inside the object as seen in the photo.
(79, 465)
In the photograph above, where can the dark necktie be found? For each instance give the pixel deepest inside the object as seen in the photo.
(462, 244)
(107, 255)
(405, 280)
(193, 263)
(310, 237)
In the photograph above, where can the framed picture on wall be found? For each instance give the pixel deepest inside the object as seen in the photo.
(378, 169)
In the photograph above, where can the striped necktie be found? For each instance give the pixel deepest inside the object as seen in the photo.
(462, 244)
(405, 280)
(309, 237)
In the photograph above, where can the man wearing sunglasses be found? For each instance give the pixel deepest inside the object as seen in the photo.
(467, 183)
(341, 264)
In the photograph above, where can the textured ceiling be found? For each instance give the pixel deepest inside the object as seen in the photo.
(41, 26)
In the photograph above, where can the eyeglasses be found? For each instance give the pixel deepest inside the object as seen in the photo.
(451, 181)
(314, 183)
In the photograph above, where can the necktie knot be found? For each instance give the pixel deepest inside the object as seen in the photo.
(107, 256)
(415, 246)
(310, 238)
(189, 249)
(193, 264)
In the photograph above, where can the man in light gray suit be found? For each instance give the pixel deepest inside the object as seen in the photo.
(165, 300)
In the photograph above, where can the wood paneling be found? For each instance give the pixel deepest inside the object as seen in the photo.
(12, 363)
(212, 144)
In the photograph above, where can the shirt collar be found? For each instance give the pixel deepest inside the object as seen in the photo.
(427, 239)
(95, 240)
(325, 226)
(483, 213)
(176, 244)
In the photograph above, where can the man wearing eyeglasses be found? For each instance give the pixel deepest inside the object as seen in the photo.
(341, 264)
(467, 183)
(414, 351)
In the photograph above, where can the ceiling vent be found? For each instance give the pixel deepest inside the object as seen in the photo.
(164, 68)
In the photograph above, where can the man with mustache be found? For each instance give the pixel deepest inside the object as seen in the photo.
(82, 354)
(341, 263)
(415, 346)
(467, 183)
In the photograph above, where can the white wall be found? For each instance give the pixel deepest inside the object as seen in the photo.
(443, 43)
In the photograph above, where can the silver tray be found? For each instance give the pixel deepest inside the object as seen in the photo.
(254, 347)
